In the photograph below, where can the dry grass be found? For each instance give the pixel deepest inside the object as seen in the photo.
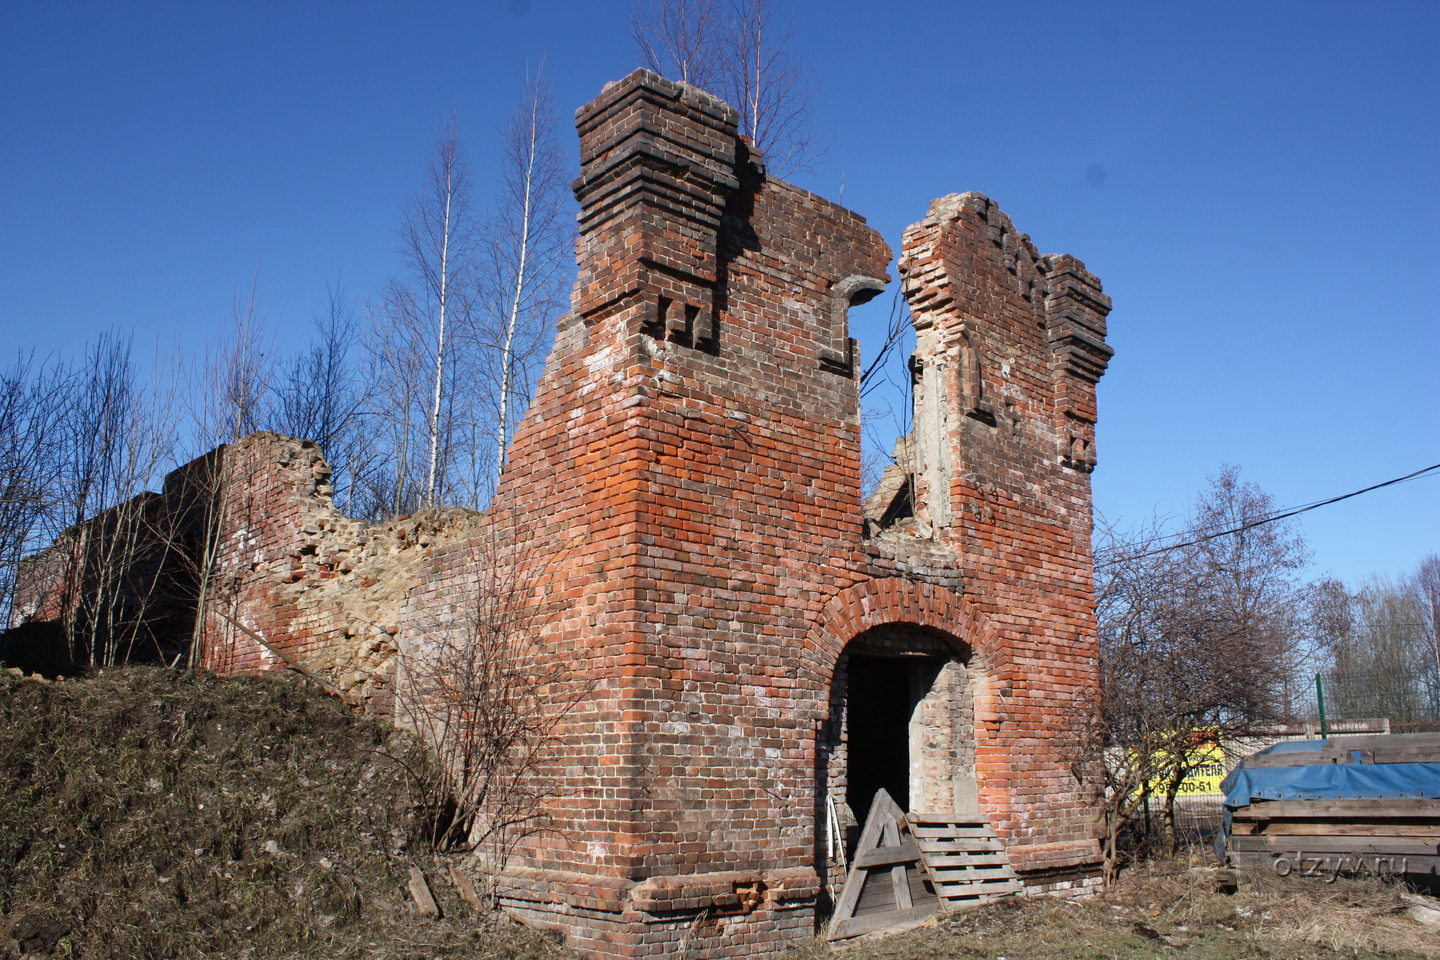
(1347, 915)
(1172, 910)
(153, 814)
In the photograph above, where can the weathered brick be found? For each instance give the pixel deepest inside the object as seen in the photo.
(681, 510)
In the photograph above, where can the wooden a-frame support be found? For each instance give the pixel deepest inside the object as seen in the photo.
(886, 887)
(907, 868)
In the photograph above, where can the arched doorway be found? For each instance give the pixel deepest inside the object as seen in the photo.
(902, 719)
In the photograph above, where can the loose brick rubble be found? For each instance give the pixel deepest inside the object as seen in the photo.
(682, 506)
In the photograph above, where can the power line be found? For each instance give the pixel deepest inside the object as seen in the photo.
(1279, 516)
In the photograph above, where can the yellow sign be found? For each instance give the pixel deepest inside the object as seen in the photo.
(1207, 768)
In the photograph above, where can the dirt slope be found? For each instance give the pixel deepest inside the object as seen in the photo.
(146, 813)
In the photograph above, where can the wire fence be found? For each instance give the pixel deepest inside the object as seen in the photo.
(1353, 704)
(1409, 700)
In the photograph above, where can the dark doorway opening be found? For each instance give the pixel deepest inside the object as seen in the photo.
(880, 701)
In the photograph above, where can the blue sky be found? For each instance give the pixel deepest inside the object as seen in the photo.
(1255, 183)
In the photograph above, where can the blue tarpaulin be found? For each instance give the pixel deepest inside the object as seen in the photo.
(1324, 781)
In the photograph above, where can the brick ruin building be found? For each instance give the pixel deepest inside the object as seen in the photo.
(750, 650)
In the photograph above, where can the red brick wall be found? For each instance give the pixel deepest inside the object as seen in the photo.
(1010, 344)
(686, 488)
(681, 520)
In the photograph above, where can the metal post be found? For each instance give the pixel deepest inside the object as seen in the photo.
(1320, 700)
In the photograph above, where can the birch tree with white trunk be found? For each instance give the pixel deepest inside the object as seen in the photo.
(530, 246)
(423, 310)
(743, 52)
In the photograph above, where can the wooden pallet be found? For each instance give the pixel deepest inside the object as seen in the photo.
(887, 887)
(965, 859)
(1335, 835)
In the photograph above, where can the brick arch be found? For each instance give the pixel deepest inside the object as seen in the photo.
(872, 603)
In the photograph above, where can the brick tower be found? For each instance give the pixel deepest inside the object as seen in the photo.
(745, 642)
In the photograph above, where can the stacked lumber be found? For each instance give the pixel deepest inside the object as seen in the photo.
(1384, 835)
(1338, 836)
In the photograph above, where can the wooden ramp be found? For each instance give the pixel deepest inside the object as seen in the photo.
(966, 861)
(887, 887)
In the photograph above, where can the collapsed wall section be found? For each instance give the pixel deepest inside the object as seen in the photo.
(248, 534)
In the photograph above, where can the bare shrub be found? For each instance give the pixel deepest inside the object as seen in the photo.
(482, 692)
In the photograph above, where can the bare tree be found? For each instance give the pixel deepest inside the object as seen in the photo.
(234, 393)
(893, 407)
(104, 441)
(1199, 643)
(744, 53)
(31, 400)
(530, 245)
(399, 358)
(1427, 585)
(1376, 647)
(417, 363)
(321, 398)
(765, 82)
(231, 391)
(685, 39)
(438, 244)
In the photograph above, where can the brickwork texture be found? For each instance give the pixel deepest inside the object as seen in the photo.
(681, 515)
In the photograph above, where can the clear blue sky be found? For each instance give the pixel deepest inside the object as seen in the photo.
(1256, 184)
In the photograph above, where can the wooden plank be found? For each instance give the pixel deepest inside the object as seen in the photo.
(933, 854)
(1404, 755)
(1374, 863)
(878, 896)
(922, 889)
(1307, 759)
(961, 890)
(1397, 846)
(970, 896)
(978, 843)
(898, 880)
(856, 926)
(936, 829)
(1301, 828)
(950, 874)
(1367, 809)
(905, 852)
(1386, 741)
(420, 893)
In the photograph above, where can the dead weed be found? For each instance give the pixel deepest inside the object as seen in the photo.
(147, 813)
(1172, 910)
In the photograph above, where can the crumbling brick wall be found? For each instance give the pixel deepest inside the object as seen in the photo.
(680, 519)
(257, 517)
(1010, 345)
(325, 590)
(686, 488)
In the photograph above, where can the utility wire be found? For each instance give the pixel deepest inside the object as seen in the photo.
(1278, 516)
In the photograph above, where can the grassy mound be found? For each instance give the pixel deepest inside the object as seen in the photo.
(147, 813)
